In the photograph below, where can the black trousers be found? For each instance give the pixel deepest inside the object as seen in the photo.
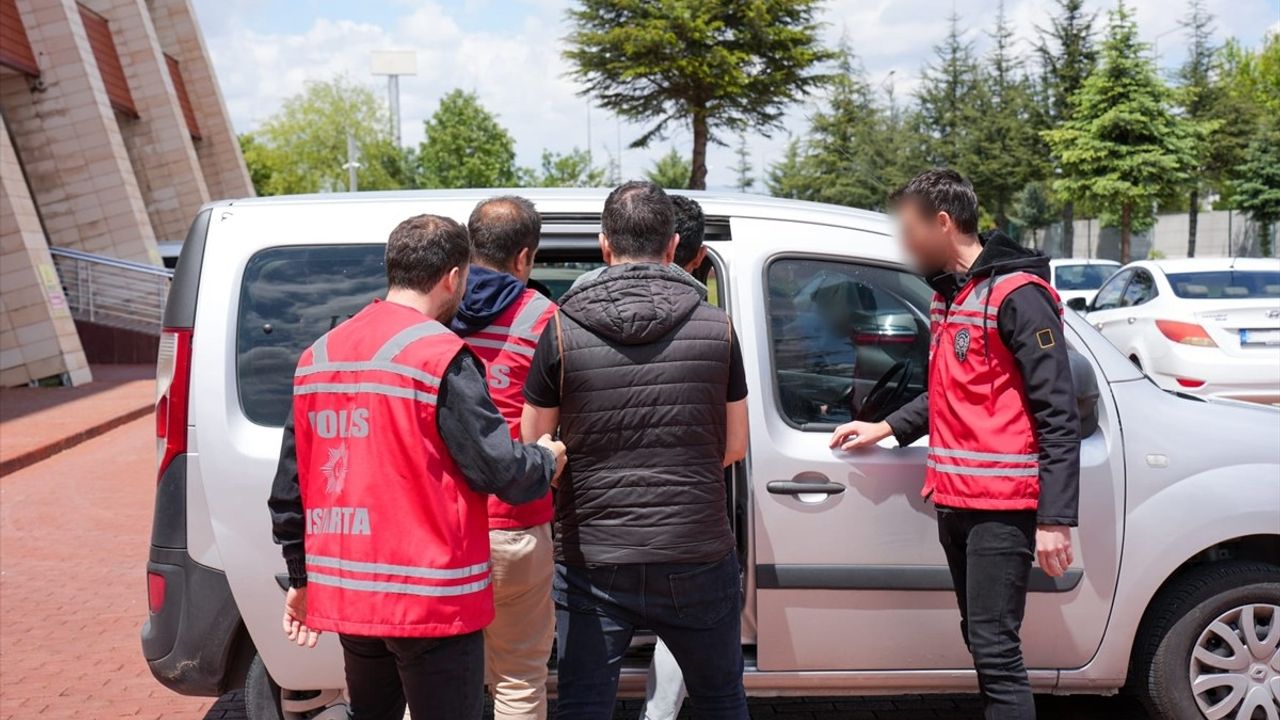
(990, 554)
(440, 678)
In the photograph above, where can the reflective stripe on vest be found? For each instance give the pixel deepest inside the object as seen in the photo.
(405, 574)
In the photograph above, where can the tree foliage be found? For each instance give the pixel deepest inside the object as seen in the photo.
(1123, 148)
(1257, 185)
(465, 147)
(302, 148)
(1033, 209)
(671, 171)
(712, 65)
(949, 87)
(571, 169)
(742, 168)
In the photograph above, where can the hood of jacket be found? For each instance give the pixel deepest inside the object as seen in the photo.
(489, 292)
(1000, 255)
(633, 304)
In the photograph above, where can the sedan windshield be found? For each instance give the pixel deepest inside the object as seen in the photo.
(1227, 284)
(1082, 277)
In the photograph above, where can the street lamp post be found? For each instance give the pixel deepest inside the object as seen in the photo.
(393, 64)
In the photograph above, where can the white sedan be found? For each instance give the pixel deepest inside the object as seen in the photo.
(1208, 326)
(1080, 277)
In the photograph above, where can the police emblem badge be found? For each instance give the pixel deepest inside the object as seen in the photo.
(962, 344)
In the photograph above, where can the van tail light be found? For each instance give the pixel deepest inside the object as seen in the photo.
(173, 384)
(155, 592)
(1185, 333)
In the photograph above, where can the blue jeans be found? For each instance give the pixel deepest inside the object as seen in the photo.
(694, 608)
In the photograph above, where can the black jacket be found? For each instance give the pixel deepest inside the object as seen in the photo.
(646, 366)
(1046, 373)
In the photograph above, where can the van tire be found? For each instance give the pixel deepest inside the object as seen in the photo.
(1180, 612)
(261, 693)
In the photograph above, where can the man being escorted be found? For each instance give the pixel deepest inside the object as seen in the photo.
(1004, 445)
(378, 502)
(645, 381)
(501, 320)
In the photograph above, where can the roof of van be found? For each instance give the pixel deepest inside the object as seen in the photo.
(592, 199)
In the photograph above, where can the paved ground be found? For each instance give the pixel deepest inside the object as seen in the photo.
(36, 422)
(73, 543)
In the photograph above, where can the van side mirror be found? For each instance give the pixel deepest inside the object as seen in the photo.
(1078, 304)
(1085, 382)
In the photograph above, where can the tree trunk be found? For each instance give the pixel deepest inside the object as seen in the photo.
(698, 167)
(1068, 229)
(1193, 217)
(1126, 220)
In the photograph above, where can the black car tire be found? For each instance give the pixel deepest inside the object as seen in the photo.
(1175, 621)
(261, 693)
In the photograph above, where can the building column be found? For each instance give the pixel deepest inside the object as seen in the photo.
(225, 173)
(37, 335)
(70, 143)
(158, 140)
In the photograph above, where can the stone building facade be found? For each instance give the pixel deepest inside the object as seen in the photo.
(114, 132)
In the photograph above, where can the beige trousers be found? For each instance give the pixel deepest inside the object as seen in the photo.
(517, 644)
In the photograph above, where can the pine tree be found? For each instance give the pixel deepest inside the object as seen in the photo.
(947, 99)
(671, 171)
(786, 177)
(742, 169)
(1257, 189)
(1123, 148)
(1067, 57)
(1201, 99)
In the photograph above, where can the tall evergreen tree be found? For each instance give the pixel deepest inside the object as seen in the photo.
(742, 168)
(1201, 98)
(786, 177)
(671, 171)
(1067, 56)
(1257, 187)
(716, 65)
(1123, 148)
(947, 99)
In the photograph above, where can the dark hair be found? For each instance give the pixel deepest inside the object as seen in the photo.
(501, 227)
(423, 249)
(691, 226)
(943, 190)
(639, 220)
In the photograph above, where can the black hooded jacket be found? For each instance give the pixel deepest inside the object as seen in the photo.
(1046, 373)
(642, 369)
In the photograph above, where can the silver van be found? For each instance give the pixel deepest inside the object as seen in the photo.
(1176, 587)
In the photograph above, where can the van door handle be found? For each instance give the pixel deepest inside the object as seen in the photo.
(791, 487)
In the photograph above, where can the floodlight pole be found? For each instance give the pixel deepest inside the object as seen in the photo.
(393, 102)
(393, 64)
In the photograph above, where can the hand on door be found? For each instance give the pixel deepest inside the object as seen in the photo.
(857, 434)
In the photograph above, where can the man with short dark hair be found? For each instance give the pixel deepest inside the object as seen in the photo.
(501, 319)
(646, 383)
(1004, 438)
(691, 226)
(379, 500)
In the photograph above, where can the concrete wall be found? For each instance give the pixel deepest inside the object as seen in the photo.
(1219, 233)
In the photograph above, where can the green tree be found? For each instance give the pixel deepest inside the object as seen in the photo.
(742, 167)
(1123, 148)
(1202, 99)
(947, 100)
(786, 177)
(715, 65)
(571, 169)
(1008, 151)
(1033, 210)
(1067, 56)
(670, 171)
(1257, 187)
(302, 147)
(1249, 81)
(465, 147)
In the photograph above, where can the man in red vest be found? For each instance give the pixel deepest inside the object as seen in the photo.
(1000, 412)
(379, 502)
(501, 319)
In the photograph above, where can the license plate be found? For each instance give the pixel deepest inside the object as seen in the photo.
(1260, 337)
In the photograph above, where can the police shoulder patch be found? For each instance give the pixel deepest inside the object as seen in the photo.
(1045, 338)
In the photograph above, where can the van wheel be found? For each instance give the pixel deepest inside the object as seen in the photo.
(264, 700)
(1210, 646)
(261, 693)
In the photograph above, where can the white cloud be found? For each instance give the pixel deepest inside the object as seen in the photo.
(519, 73)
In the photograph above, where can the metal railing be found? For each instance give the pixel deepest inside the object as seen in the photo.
(114, 292)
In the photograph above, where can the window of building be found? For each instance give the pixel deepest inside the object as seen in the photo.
(184, 100)
(15, 47)
(849, 341)
(104, 52)
(289, 297)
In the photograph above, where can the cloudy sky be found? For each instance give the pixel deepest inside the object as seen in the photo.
(508, 52)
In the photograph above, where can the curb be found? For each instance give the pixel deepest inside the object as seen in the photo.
(67, 442)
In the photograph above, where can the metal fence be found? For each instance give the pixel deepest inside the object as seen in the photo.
(114, 292)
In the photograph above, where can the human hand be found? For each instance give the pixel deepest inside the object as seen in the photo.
(1053, 549)
(295, 618)
(858, 434)
(557, 448)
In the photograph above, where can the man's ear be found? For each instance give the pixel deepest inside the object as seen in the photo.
(522, 266)
(670, 255)
(697, 261)
(456, 278)
(606, 250)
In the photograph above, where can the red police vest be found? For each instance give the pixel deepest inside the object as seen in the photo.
(506, 347)
(397, 544)
(983, 452)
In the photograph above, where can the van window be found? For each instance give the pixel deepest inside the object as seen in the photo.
(840, 329)
(291, 296)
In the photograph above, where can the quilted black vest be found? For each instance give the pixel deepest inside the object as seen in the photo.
(645, 379)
